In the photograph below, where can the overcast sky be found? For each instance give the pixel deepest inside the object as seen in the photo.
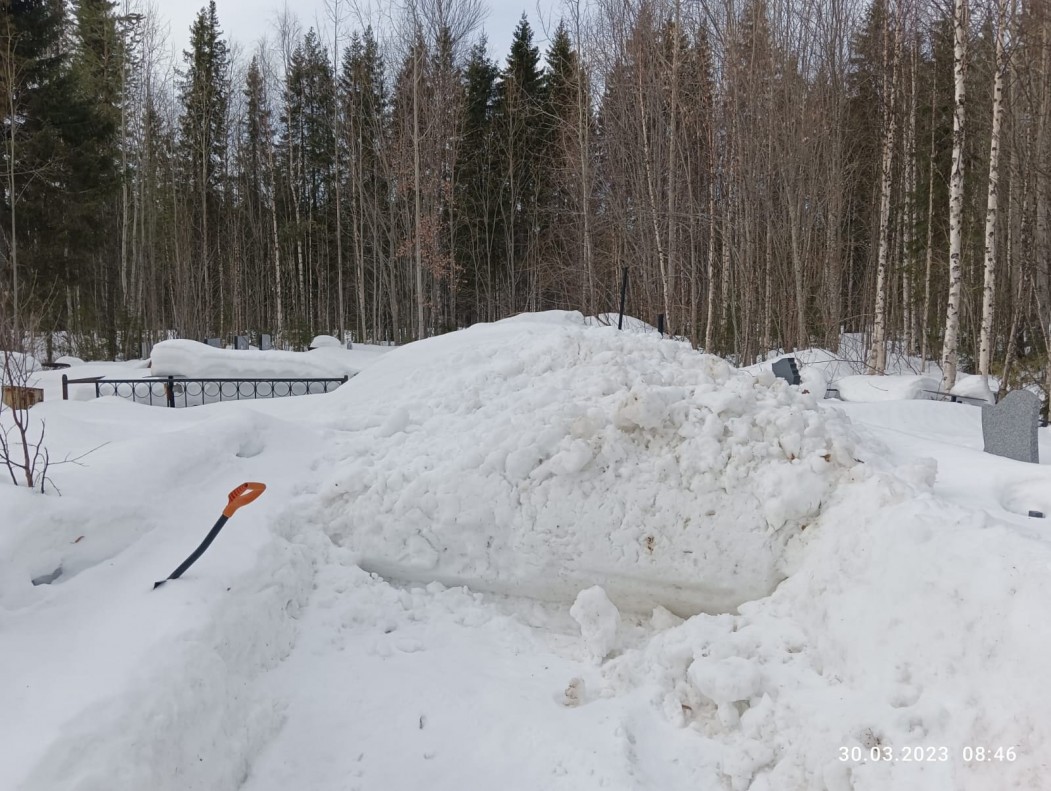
(246, 21)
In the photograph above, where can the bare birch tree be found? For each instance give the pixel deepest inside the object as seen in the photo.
(952, 312)
(992, 199)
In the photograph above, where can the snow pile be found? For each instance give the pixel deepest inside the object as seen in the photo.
(198, 360)
(628, 323)
(325, 342)
(886, 388)
(818, 368)
(109, 684)
(18, 365)
(541, 457)
(599, 621)
(911, 623)
(974, 386)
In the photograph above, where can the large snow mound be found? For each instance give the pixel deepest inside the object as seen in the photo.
(545, 456)
(913, 627)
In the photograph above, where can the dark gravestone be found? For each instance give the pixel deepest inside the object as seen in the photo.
(216, 342)
(1009, 428)
(787, 369)
(266, 343)
(241, 342)
(47, 579)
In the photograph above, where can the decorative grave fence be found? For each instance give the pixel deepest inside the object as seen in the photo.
(177, 391)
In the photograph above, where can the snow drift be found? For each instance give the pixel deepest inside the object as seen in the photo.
(886, 388)
(543, 456)
(193, 359)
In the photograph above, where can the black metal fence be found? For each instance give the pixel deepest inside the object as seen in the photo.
(177, 391)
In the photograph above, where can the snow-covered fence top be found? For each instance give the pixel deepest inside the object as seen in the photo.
(197, 360)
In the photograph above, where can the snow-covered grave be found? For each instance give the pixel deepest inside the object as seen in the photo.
(534, 554)
(198, 361)
(206, 374)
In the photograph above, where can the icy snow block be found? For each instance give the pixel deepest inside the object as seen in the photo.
(787, 369)
(1009, 428)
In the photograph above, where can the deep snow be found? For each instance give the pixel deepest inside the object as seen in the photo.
(531, 460)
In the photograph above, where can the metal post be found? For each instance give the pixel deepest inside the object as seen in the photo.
(65, 387)
(169, 391)
(623, 295)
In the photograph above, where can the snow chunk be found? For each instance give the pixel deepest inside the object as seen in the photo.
(599, 621)
(725, 680)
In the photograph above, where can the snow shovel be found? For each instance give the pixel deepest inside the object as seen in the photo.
(242, 495)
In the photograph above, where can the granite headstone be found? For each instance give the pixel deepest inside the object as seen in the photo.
(241, 342)
(1009, 427)
(266, 343)
(787, 369)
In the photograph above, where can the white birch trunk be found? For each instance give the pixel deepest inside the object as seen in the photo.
(877, 361)
(992, 208)
(416, 171)
(929, 259)
(952, 311)
(669, 276)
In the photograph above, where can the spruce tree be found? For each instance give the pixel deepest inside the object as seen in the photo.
(40, 110)
(204, 92)
(308, 158)
(91, 224)
(364, 104)
(521, 132)
(476, 186)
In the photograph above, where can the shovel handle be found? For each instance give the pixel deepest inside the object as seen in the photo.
(243, 495)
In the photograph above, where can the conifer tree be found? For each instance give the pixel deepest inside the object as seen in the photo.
(520, 143)
(476, 183)
(364, 104)
(38, 101)
(98, 67)
(204, 92)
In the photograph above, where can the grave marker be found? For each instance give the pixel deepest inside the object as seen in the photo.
(1009, 428)
(787, 369)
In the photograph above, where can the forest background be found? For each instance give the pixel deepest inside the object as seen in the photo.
(770, 173)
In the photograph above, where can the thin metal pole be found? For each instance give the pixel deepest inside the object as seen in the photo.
(623, 296)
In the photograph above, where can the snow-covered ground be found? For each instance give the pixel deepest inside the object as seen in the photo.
(535, 554)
